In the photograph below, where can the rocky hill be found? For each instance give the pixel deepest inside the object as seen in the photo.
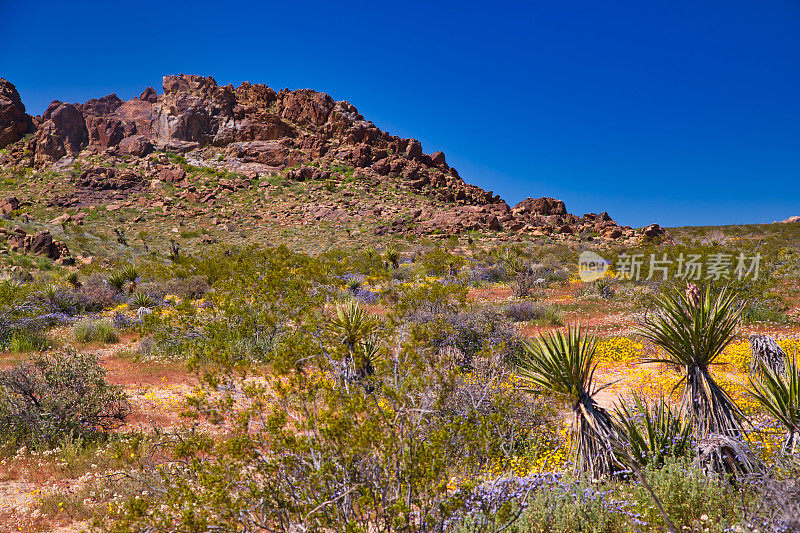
(158, 149)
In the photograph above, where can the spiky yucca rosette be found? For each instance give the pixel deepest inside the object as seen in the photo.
(563, 364)
(693, 332)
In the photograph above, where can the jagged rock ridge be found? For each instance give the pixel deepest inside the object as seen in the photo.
(256, 131)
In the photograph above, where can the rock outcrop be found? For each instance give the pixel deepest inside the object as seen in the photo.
(256, 131)
(41, 243)
(14, 122)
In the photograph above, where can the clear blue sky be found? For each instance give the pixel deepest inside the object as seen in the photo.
(682, 112)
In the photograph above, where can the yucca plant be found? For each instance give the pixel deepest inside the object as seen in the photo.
(73, 279)
(117, 280)
(393, 257)
(355, 328)
(780, 396)
(142, 299)
(693, 332)
(51, 292)
(131, 274)
(562, 363)
(653, 432)
(353, 285)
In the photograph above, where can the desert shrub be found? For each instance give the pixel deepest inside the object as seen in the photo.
(686, 494)
(95, 330)
(28, 341)
(402, 274)
(468, 333)
(553, 316)
(59, 394)
(564, 507)
(366, 296)
(440, 262)
(768, 309)
(523, 282)
(524, 311)
(27, 332)
(95, 294)
(443, 296)
(347, 459)
(258, 298)
(487, 273)
(775, 496)
(602, 288)
(55, 299)
(191, 287)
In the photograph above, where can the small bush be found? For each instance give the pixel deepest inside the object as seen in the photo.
(686, 494)
(576, 506)
(524, 311)
(96, 293)
(95, 330)
(57, 395)
(28, 341)
(191, 287)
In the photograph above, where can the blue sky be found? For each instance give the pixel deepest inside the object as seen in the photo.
(677, 112)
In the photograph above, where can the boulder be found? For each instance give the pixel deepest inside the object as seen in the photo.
(63, 133)
(14, 121)
(149, 95)
(270, 153)
(540, 206)
(653, 231)
(41, 243)
(305, 107)
(438, 159)
(9, 205)
(135, 145)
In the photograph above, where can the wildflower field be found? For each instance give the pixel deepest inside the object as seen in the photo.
(402, 388)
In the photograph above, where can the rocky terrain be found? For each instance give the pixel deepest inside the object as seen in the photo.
(182, 152)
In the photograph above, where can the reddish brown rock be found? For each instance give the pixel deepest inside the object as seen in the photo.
(63, 133)
(171, 175)
(305, 107)
(14, 122)
(149, 95)
(135, 145)
(41, 243)
(540, 206)
(438, 159)
(653, 231)
(270, 153)
(9, 205)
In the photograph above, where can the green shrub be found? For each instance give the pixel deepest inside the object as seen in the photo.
(578, 506)
(28, 341)
(54, 396)
(95, 330)
(440, 262)
(686, 494)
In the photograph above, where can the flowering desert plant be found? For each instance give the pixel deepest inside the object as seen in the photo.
(563, 363)
(693, 332)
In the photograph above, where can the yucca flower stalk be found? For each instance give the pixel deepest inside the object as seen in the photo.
(562, 363)
(653, 432)
(780, 396)
(693, 332)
